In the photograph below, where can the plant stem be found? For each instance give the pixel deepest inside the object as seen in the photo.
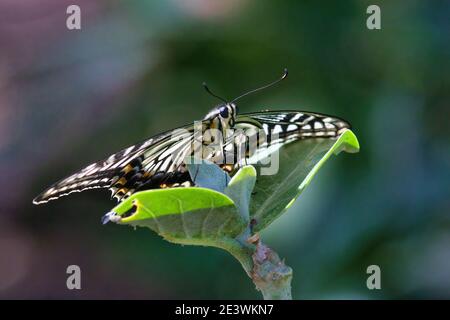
(263, 265)
(270, 275)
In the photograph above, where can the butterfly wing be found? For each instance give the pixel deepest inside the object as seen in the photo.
(159, 161)
(295, 124)
(155, 162)
(273, 129)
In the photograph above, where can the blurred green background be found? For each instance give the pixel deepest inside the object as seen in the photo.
(135, 68)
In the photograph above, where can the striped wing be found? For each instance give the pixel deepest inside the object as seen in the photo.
(154, 163)
(159, 161)
(295, 124)
(282, 127)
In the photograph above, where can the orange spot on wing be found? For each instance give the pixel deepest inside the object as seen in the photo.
(127, 169)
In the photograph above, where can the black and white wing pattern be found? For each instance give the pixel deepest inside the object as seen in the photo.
(257, 135)
(154, 163)
(273, 129)
(291, 125)
(159, 161)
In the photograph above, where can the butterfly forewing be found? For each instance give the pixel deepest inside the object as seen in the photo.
(277, 128)
(291, 124)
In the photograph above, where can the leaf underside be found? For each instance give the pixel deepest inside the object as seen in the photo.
(184, 215)
(298, 163)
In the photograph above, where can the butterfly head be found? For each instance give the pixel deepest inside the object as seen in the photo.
(223, 115)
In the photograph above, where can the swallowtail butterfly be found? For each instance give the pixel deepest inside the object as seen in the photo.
(160, 161)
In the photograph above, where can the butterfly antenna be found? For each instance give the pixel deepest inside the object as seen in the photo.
(285, 74)
(213, 94)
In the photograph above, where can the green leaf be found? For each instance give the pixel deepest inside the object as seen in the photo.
(183, 215)
(298, 163)
(240, 190)
(206, 217)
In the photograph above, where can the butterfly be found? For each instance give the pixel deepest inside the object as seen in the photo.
(160, 161)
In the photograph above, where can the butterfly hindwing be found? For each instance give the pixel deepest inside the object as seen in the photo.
(123, 171)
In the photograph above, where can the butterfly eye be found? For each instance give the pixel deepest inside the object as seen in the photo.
(223, 112)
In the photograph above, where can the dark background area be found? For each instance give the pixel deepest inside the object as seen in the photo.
(68, 98)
